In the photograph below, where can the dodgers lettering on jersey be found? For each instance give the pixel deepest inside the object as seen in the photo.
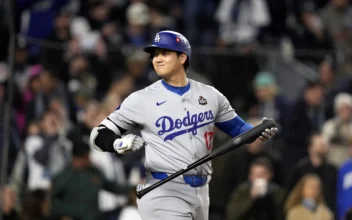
(178, 130)
(185, 125)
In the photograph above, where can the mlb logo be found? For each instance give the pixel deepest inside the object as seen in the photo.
(202, 100)
(157, 38)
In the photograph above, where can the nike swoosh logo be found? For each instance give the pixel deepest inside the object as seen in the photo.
(160, 103)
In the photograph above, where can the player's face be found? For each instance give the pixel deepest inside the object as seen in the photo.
(167, 63)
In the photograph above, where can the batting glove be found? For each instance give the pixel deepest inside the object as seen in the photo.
(128, 143)
(268, 133)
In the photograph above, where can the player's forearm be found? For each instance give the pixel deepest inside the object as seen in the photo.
(234, 127)
(104, 138)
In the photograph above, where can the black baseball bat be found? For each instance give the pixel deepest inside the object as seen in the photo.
(236, 142)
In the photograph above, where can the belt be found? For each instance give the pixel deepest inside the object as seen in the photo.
(193, 181)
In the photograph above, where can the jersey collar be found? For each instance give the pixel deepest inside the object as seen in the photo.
(177, 90)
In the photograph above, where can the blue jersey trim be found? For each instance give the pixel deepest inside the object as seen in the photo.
(234, 127)
(178, 90)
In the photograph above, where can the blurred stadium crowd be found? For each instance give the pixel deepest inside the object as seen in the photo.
(76, 60)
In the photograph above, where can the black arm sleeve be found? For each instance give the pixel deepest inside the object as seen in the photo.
(106, 137)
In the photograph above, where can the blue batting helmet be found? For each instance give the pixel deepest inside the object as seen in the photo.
(170, 40)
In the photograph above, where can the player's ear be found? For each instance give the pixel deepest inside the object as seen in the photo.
(183, 58)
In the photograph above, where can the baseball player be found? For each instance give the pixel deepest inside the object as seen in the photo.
(176, 116)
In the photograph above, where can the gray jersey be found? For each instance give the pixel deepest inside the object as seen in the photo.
(178, 130)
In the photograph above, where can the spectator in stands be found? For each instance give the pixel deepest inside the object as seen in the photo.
(344, 190)
(306, 201)
(19, 174)
(21, 66)
(138, 20)
(259, 198)
(195, 15)
(338, 131)
(99, 14)
(56, 55)
(327, 72)
(51, 87)
(112, 34)
(86, 30)
(240, 21)
(33, 85)
(317, 163)
(336, 18)
(308, 31)
(75, 190)
(163, 15)
(57, 107)
(330, 82)
(334, 81)
(74, 47)
(305, 117)
(47, 153)
(40, 21)
(82, 81)
(270, 103)
(107, 60)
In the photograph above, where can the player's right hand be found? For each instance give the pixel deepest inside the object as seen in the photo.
(128, 143)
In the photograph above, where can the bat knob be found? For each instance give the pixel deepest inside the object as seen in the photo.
(139, 192)
(138, 195)
(269, 122)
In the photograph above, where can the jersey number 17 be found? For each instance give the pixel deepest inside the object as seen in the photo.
(208, 136)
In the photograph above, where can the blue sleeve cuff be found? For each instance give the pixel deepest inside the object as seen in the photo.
(234, 127)
(245, 128)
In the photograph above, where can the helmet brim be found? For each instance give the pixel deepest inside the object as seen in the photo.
(150, 49)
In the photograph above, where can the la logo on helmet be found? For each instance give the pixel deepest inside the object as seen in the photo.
(157, 38)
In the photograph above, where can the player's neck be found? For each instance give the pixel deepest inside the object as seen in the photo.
(178, 80)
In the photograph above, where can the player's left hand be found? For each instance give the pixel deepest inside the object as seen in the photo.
(268, 133)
